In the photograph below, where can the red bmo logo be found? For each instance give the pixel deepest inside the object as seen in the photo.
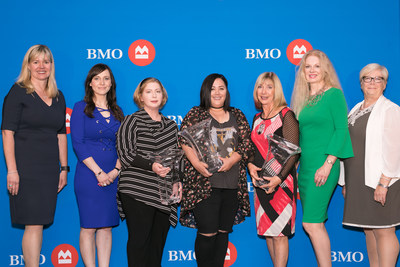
(141, 52)
(64, 255)
(68, 120)
(296, 50)
(231, 255)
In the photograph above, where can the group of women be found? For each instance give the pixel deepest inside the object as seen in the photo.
(116, 176)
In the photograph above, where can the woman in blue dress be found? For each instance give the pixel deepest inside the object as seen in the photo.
(94, 123)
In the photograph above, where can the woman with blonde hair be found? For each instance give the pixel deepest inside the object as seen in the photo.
(35, 146)
(275, 202)
(321, 109)
(372, 190)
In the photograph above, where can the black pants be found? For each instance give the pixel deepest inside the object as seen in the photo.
(147, 229)
(215, 214)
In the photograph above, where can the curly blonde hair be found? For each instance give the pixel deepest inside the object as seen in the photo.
(301, 90)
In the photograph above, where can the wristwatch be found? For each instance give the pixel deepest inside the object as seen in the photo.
(329, 161)
(64, 168)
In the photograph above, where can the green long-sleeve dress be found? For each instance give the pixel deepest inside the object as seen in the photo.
(323, 132)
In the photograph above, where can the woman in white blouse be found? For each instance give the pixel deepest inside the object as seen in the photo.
(372, 193)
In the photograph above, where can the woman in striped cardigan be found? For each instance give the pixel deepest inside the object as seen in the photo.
(142, 133)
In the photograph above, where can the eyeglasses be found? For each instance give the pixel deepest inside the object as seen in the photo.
(368, 79)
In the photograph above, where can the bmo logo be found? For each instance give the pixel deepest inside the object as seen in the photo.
(297, 49)
(177, 118)
(104, 53)
(350, 256)
(141, 52)
(64, 255)
(18, 260)
(180, 255)
(231, 255)
(68, 120)
(256, 53)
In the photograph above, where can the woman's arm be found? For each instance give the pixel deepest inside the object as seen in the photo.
(200, 166)
(390, 153)
(79, 144)
(63, 154)
(9, 154)
(290, 131)
(340, 143)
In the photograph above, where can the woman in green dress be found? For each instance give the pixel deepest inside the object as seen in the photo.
(321, 109)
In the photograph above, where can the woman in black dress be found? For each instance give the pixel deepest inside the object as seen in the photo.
(35, 146)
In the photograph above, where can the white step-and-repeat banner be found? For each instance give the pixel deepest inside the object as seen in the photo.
(180, 43)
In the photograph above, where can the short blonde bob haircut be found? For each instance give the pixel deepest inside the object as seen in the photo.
(279, 98)
(301, 90)
(372, 67)
(24, 79)
(140, 88)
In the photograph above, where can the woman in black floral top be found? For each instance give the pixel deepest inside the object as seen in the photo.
(213, 203)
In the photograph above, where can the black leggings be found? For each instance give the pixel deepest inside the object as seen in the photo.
(214, 215)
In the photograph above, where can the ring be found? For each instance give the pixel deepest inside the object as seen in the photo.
(10, 185)
(104, 184)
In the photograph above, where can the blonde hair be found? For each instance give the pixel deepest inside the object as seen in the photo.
(139, 91)
(24, 78)
(374, 66)
(279, 98)
(301, 90)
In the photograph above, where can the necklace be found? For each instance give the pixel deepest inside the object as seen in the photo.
(314, 99)
(269, 113)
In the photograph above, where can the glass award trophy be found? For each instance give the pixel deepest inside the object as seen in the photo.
(279, 151)
(198, 137)
(169, 158)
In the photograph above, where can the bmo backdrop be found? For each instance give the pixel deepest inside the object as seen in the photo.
(180, 43)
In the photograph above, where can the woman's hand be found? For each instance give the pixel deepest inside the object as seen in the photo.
(177, 190)
(104, 179)
(202, 168)
(273, 183)
(62, 182)
(160, 170)
(227, 163)
(321, 175)
(13, 183)
(113, 174)
(380, 194)
(253, 169)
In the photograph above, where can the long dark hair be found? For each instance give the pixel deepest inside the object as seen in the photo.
(205, 91)
(111, 95)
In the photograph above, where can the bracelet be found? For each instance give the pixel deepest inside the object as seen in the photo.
(64, 168)
(118, 170)
(99, 173)
(384, 186)
(11, 172)
(385, 178)
(330, 162)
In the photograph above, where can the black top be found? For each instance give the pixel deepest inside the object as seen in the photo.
(225, 138)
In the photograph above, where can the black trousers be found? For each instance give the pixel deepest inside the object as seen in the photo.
(147, 229)
(215, 214)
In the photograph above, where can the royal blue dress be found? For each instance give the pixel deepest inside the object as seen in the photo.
(94, 137)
